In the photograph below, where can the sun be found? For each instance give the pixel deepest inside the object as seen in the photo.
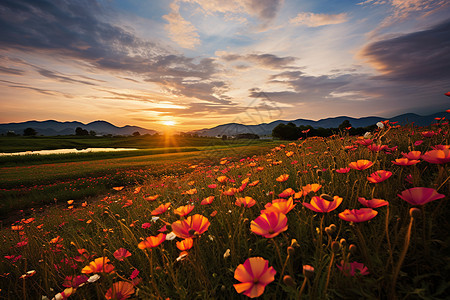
(169, 123)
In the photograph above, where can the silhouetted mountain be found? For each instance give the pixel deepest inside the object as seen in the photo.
(51, 127)
(233, 129)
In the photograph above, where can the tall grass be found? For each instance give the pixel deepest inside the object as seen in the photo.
(399, 257)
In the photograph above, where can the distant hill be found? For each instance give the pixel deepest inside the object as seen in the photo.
(51, 128)
(263, 129)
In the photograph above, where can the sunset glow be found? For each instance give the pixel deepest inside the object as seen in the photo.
(212, 62)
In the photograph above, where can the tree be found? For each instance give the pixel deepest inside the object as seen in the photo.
(286, 131)
(92, 133)
(81, 131)
(224, 137)
(344, 125)
(29, 132)
(136, 133)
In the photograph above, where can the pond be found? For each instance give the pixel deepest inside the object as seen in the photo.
(65, 151)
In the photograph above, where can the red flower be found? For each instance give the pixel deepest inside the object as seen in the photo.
(254, 274)
(361, 164)
(282, 178)
(269, 224)
(318, 204)
(379, 176)
(358, 215)
(286, 193)
(413, 155)
(207, 200)
(420, 195)
(191, 225)
(374, 203)
(343, 170)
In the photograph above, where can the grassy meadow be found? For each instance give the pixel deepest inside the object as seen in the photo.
(323, 218)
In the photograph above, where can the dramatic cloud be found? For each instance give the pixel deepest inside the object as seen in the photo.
(419, 56)
(181, 31)
(316, 20)
(266, 60)
(11, 71)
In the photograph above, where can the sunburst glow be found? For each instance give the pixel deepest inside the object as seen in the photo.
(169, 123)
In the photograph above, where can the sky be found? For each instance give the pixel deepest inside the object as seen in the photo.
(194, 64)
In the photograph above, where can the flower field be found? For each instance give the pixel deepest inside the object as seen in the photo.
(322, 218)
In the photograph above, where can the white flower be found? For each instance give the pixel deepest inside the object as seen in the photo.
(380, 125)
(227, 253)
(182, 256)
(170, 236)
(94, 278)
(367, 135)
(154, 219)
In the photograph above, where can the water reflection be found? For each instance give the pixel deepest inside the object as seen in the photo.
(65, 151)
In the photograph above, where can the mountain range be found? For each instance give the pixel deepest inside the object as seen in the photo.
(51, 127)
(264, 129)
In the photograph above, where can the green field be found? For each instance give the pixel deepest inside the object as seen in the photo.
(327, 218)
(36, 180)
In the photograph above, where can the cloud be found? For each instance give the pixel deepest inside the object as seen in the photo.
(265, 10)
(75, 31)
(266, 60)
(39, 90)
(316, 20)
(11, 71)
(180, 30)
(63, 78)
(419, 56)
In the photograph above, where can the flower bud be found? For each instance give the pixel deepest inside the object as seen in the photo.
(308, 271)
(335, 246)
(290, 251)
(343, 242)
(328, 230)
(294, 243)
(415, 212)
(288, 281)
(332, 227)
(352, 248)
(326, 197)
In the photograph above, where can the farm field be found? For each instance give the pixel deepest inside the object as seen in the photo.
(323, 218)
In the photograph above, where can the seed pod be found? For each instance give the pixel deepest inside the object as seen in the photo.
(288, 280)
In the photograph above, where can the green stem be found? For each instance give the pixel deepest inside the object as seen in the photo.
(329, 273)
(401, 258)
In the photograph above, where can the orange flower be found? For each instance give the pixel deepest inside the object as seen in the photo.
(160, 209)
(184, 210)
(191, 192)
(374, 203)
(222, 179)
(120, 290)
(311, 188)
(361, 164)
(413, 155)
(118, 188)
(282, 178)
(151, 198)
(191, 225)
(405, 162)
(437, 156)
(254, 274)
(420, 195)
(185, 244)
(358, 215)
(17, 227)
(279, 205)
(318, 204)
(379, 176)
(269, 224)
(253, 183)
(98, 265)
(230, 192)
(246, 202)
(207, 200)
(152, 241)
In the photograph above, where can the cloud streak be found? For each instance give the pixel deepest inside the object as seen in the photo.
(317, 20)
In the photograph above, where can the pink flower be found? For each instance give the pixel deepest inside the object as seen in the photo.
(374, 203)
(420, 195)
(343, 170)
(358, 215)
(379, 176)
(353, 268)
(121, 253)
(254, 274)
